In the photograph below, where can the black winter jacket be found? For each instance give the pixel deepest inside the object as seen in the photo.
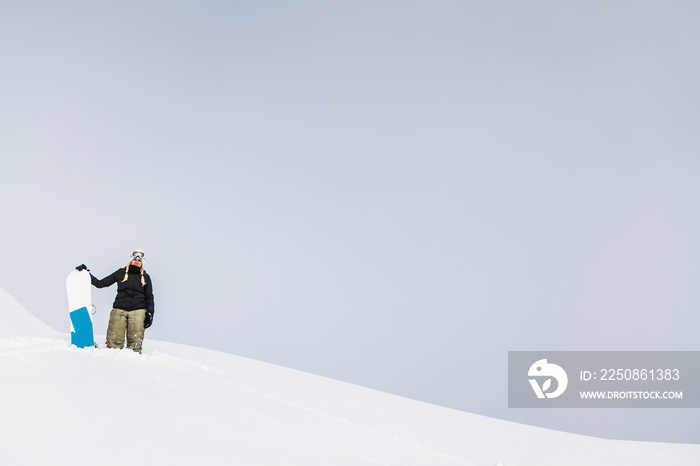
(131, 294)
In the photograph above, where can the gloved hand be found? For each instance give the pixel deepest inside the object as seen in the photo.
(148, 320)
(82, 267)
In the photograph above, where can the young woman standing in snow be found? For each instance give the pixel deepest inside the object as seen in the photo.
(133, 306)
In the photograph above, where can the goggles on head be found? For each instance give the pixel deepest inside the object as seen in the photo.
(137, 255)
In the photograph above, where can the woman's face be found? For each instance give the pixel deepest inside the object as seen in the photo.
(136, 262)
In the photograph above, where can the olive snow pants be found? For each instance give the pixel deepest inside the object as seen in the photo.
(126, 322)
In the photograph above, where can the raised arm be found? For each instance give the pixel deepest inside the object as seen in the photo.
(109, 280)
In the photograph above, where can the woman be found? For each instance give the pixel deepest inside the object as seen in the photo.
(133, 306)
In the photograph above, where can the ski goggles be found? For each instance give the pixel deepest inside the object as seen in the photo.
(137, 255)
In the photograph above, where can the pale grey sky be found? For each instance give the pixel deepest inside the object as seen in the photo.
(394, 194)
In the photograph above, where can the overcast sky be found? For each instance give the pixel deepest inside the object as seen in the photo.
(390, 193)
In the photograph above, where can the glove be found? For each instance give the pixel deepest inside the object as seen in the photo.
(82, 267)
(148, 321)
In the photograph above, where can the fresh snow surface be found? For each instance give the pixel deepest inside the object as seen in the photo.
(182, 405)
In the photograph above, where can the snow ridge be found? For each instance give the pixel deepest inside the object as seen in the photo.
(176, 404)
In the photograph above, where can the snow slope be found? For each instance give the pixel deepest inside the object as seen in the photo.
(181, 405)
(16, 321)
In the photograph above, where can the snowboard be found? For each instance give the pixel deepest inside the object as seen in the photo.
(78, 285)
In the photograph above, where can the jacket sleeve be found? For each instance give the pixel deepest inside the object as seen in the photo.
(148, 291)
(109, 280)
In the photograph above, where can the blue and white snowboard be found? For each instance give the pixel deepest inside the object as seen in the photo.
(78, 285)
